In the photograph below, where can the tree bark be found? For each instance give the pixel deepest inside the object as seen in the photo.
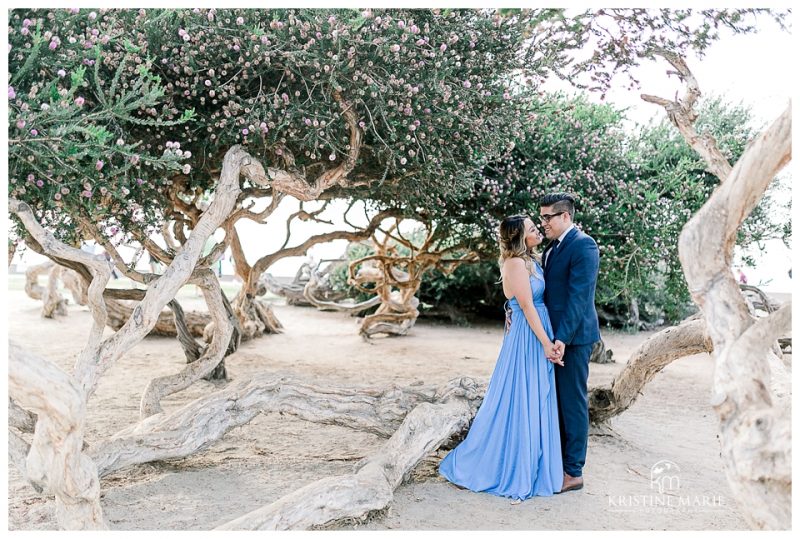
(12, 248)
(76, 286)
(20, 418)
(682, 115)
(765, 303)
(53, 304)
(255, 315)
(600, 354)
(191, 348)
(32, 287)
(750, 387)
(292, 292)
(55, 460)
(340, 306)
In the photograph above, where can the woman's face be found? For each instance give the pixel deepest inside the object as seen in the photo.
(532, 235)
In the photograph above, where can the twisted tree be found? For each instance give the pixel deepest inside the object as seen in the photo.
(396, 269)
(750, 384)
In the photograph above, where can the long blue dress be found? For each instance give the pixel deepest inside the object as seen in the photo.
(513, 447)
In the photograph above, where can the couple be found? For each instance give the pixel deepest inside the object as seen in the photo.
(530, 434)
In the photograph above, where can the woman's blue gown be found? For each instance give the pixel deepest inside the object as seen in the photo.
(513, 447)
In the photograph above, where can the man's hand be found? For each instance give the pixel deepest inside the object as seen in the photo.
(560, 347)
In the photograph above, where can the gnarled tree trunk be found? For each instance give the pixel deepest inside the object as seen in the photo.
(397, 279)
(55, 459)
(52, 303)
(750, 387)
(255, 315)
(54, 462)
(600, 354)
(32, 286)
(754, 421)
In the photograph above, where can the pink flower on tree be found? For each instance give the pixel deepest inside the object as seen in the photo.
(79, 101)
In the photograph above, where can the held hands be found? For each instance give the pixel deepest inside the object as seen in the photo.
(554, 352)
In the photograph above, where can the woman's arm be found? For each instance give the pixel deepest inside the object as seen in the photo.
(519, 283)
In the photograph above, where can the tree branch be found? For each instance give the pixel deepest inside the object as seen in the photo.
(98, 263)
(682, 115)
(213, 354)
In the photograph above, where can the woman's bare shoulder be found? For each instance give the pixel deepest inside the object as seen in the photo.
(514, 262)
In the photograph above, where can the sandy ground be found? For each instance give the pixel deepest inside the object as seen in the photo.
(273, 455)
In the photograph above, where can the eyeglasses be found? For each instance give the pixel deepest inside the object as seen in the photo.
(546, 217)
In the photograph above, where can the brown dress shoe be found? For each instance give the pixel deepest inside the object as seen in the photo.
(571, 483)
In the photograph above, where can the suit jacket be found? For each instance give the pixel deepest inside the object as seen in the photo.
(570, 280)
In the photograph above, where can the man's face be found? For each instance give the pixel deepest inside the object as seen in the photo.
(553, 221)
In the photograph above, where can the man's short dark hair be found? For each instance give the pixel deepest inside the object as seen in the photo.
(559, 202)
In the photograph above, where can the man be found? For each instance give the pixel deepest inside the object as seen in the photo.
(571, 263)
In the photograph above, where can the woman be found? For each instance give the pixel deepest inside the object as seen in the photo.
(513, 447)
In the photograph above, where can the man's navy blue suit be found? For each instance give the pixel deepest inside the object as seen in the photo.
(570, 274)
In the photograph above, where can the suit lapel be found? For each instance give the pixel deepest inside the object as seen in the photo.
(571, 235)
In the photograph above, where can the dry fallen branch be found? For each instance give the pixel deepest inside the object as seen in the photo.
(647, 360)
(205, 420)
(371, 487)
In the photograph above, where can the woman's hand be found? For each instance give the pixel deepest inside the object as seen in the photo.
(553, 354)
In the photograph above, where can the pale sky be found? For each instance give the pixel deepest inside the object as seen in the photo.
(754, 69)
